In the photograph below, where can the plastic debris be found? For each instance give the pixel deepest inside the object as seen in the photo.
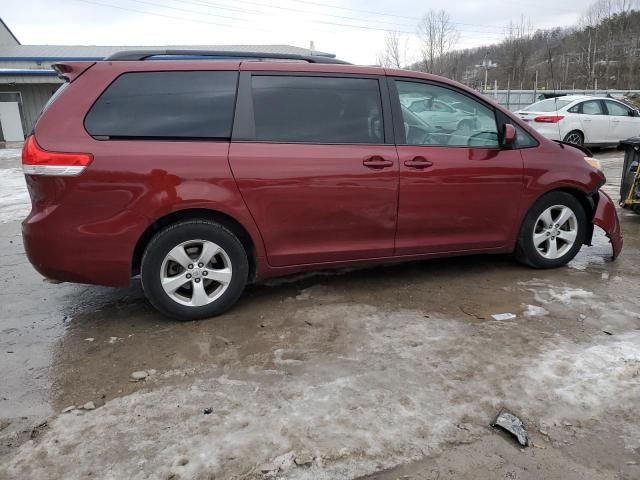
(140, 375)
(512, 424)
(503, 316)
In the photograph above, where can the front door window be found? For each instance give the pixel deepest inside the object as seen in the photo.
(438, 116)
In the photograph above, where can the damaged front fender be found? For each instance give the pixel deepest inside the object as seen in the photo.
(606, 218)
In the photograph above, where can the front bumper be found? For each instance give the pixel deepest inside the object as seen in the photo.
(606, 218)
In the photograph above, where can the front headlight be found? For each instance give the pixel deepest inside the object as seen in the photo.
(594, 162)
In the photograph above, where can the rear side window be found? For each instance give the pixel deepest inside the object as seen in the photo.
(592, 107)
(173, 105)
(317, 109)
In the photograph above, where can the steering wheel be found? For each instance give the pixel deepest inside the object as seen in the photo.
(479, 134)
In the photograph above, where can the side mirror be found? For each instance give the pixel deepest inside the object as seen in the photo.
(634, 113)
(509, 135)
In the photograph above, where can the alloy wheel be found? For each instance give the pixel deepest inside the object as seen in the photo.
(555, 231)
(574, 138)
(196, 273)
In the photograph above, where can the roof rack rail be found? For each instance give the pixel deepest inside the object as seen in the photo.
(133, 55)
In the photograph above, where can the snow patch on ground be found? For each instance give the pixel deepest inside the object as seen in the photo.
(545, 293)
(14, 198)
(584, 261)
(585, 381)
(10, 154)
(391, 388)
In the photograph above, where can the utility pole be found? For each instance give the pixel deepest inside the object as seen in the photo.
(486, 65)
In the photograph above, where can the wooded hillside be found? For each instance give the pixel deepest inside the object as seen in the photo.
(602, 51)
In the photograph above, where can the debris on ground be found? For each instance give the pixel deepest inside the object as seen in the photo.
(38, 429)
(512, 424)
(535, 311)
(278, 464)
(503, 316)
(304, 459)
(89, 406)
(139, 375)
(207, 411)
(224, 340)
(69, 409)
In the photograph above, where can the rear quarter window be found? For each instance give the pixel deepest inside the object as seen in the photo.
(172, 105)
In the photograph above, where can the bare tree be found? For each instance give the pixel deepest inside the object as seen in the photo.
(438, 36)
(394, 54)
(517, 49)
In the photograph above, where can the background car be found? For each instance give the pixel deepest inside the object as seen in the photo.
(583, 120)
(441, 114)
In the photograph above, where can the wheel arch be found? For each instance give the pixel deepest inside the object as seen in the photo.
(577, 130)
(588, 201)
(223, 219)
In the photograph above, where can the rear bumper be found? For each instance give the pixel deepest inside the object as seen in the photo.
(548, 130)
(98, 253)
(606, 218)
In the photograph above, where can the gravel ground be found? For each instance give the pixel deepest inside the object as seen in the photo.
(378, 373)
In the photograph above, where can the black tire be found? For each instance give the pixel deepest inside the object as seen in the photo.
(176, 234)
(575, 137)
(527, 253)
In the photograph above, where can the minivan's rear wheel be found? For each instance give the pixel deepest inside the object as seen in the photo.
(574, 137)
(552, 232)
(194, 269)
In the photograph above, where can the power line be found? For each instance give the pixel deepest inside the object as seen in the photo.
(250, 2)
(366, 27)
(240, 19)
(93, 2)
(309, 2)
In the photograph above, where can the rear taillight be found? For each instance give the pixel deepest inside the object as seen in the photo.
(548, 119)
(36, 161)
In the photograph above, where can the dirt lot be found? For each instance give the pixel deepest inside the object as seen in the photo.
(380, 373)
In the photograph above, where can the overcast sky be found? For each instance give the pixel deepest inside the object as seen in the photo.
(352, 29)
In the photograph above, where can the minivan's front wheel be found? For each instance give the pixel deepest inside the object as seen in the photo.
(194, 269)
(552, 232)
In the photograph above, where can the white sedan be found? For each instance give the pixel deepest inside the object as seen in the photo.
(583, 120)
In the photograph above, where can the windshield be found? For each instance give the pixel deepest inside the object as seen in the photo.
(548, 105)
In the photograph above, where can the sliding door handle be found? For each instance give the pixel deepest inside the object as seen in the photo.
(377, 162)
(418, 162)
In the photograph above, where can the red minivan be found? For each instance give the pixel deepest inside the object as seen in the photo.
(202, 174)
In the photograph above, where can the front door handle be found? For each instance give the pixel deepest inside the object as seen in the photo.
(418, 162)
(377, 162)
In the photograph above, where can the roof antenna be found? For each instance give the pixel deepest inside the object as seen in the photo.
(555, 96)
